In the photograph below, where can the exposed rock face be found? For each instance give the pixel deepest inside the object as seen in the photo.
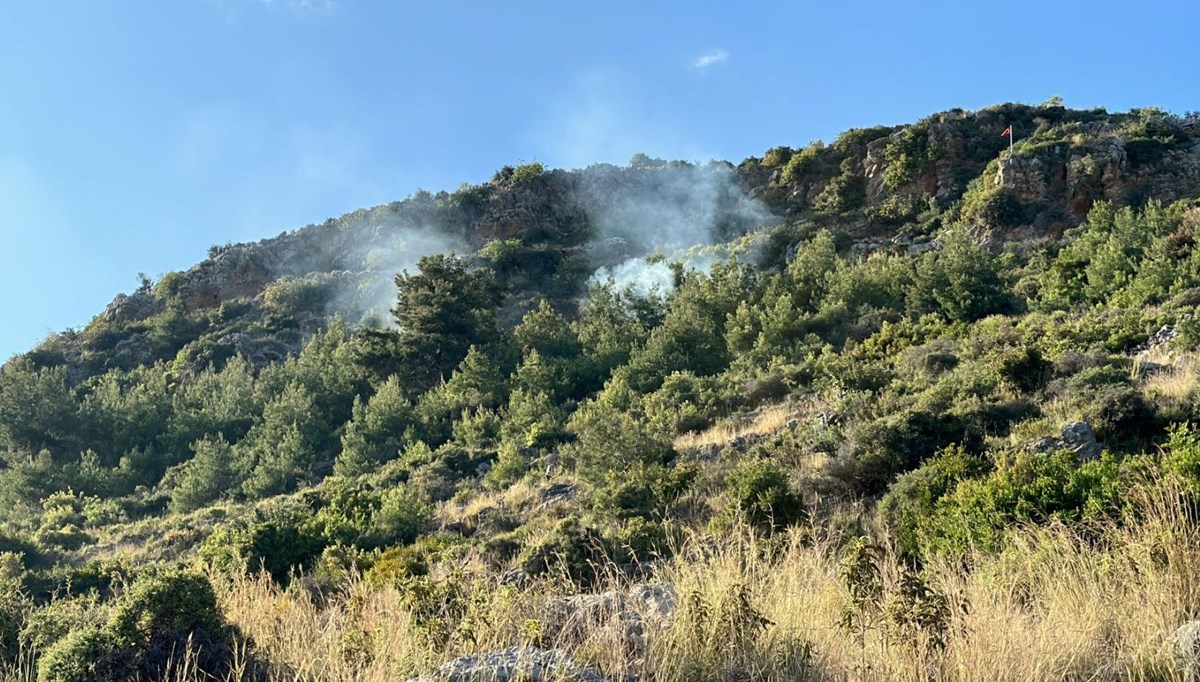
(1162, 337)
(133, 350)
(558, 493)
(236, 272)
(260, 352)
(516, 664)
(134, 307)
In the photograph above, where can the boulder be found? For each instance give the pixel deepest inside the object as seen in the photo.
(637, 613)
(516, 664)
(1185, 645)
(559, 492)
(1079, 437)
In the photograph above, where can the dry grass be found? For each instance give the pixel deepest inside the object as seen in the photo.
(1176, 384)
(1053, 606)
(766, 420)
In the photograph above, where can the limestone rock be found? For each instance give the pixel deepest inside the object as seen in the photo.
(636, 614)
(135, 307)
(559, 492)
(136, 349)
(260, 352)
(516, 664)
(1079, 437)
(1185, 645)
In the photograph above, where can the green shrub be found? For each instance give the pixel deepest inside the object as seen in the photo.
(278, 540)
(14, 607)
(760, 493)
(92, 654)
(48, 624)
(886, 447)
(912, 499)
(402, 517)
(1031, 489)
(578, 552)
(155, 623)
(843, 193)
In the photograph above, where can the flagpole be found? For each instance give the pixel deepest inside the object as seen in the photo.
(1011, 135)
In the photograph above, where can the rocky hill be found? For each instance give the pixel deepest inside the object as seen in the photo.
(883, 188)
(892, 407)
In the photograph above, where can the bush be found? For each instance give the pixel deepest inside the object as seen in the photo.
(13, 609)
(402, 517)
(160, 620)
(761, 494)
(1031, 489)
(892, 445)
(579, 552)
(54, 621)
(92, 654)
(280, 540)
(912, 499)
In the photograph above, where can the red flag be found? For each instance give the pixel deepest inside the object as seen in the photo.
(1007, 132)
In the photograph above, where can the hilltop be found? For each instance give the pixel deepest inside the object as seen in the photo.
(868, 408)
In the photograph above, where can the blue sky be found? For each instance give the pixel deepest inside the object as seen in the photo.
(134, 135)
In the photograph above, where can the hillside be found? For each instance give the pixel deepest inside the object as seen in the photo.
(894, 407)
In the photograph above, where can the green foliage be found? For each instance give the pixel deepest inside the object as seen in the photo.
(909, 153)
(376, 430)
(277, 540)
(993, 206)
(845, 192)
(576, 551)
(401, 519)
(801, 166)
(611, 440)
(960, 281)
(888, 446)
(761, 494)
(1029, 489)
(210, 474)
(299, 296)
(1127, 256)
(913, 498)
(150, 626)
(54, 621)
(37, 410)
(442, 311)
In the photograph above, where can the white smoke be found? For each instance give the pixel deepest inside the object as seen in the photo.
(639, 275)
(652, 214)
(374, 294)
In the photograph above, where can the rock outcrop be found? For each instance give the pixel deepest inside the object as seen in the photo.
(1077, 437)
(516, 664)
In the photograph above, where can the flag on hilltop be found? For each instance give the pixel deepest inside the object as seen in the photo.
(1007, 133)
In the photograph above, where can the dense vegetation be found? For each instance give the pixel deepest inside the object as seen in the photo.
(882, 372)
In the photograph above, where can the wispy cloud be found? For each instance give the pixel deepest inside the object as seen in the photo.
(706, 60)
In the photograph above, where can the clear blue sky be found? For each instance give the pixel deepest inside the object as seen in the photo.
(134, 135)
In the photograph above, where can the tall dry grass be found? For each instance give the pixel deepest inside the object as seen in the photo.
(765, 421)
(1056, 604)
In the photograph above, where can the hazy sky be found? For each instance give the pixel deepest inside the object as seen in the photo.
(134, 135)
